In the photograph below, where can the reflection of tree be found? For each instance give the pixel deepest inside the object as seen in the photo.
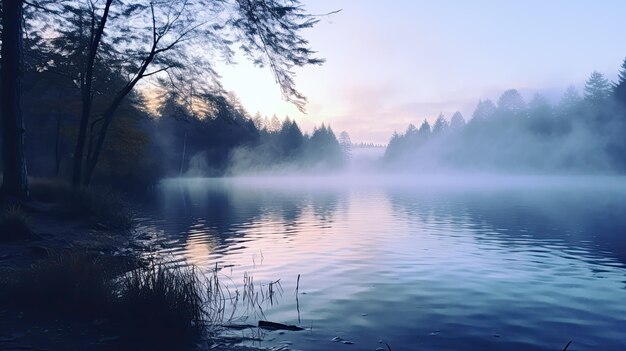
(324, 205)
(583, 219)
(223, 210)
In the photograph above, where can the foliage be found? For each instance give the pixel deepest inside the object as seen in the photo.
(597, 89)
(619, 88)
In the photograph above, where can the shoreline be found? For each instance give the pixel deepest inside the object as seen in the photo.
(58, 234)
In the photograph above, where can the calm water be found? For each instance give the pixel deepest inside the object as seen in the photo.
(423, 264)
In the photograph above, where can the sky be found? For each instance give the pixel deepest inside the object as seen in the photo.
(391, 63)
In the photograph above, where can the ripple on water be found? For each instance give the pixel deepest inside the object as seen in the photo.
(424, 270)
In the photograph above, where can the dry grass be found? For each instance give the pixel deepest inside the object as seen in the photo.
(154, 307)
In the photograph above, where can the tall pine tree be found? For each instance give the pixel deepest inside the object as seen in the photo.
(619, 88)
(597, 89)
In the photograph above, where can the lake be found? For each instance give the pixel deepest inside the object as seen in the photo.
(420, 263)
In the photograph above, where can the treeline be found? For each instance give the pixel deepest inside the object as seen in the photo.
(167, 136)
(82, 79)
(580, 134)
(230, 142)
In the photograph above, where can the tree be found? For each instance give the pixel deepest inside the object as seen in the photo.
(393, 147)
(539, 107)
(15, 183)
(511, 103)
(619, 88)
(597, 89)
(424, 130)
(540, 116)
(324, 147)
(570, 101)
(167, 37)
(457, 121)
(346, 145)
(86, 83)
(258, 121)
(441, 125)
(290, 138)
(410, 130)
(485, 110)
(274, 125)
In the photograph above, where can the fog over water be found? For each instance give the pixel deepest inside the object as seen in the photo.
(430, 262)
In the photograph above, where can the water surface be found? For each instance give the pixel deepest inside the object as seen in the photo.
(472, 263)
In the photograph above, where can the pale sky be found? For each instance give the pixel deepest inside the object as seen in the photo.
(395, 62)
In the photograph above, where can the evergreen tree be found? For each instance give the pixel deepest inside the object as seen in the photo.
(258, 121)
(441, 125)
(425, 130)
(346, 145)
(570, 101)
(290, 138)
(393, 147)
(457, 121)
(266, 124)
(539, 107)
(597, 89)
(274, 125)
(540, 118)
(619, 88)
(511, 103)
(410, 130)
(485, 110)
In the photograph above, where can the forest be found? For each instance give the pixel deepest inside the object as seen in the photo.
(103, 101)
(146, 206)
(126, 93)
(580, 134)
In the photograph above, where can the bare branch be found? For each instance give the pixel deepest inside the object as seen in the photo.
(155, 72)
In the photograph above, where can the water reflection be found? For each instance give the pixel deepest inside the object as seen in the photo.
(518, 268)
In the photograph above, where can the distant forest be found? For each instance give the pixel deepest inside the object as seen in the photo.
(580, 134)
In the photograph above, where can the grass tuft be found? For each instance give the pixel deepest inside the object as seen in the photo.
(155, 307)
(162, 305)
(15, 225)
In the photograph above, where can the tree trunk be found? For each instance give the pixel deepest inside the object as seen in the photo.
(109, 113)
(86, 92)
(93, 157)
(15, 183)
(182, 161)
(57, 146)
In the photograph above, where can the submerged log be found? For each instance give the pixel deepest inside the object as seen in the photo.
(278, 326)
(237, 326)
